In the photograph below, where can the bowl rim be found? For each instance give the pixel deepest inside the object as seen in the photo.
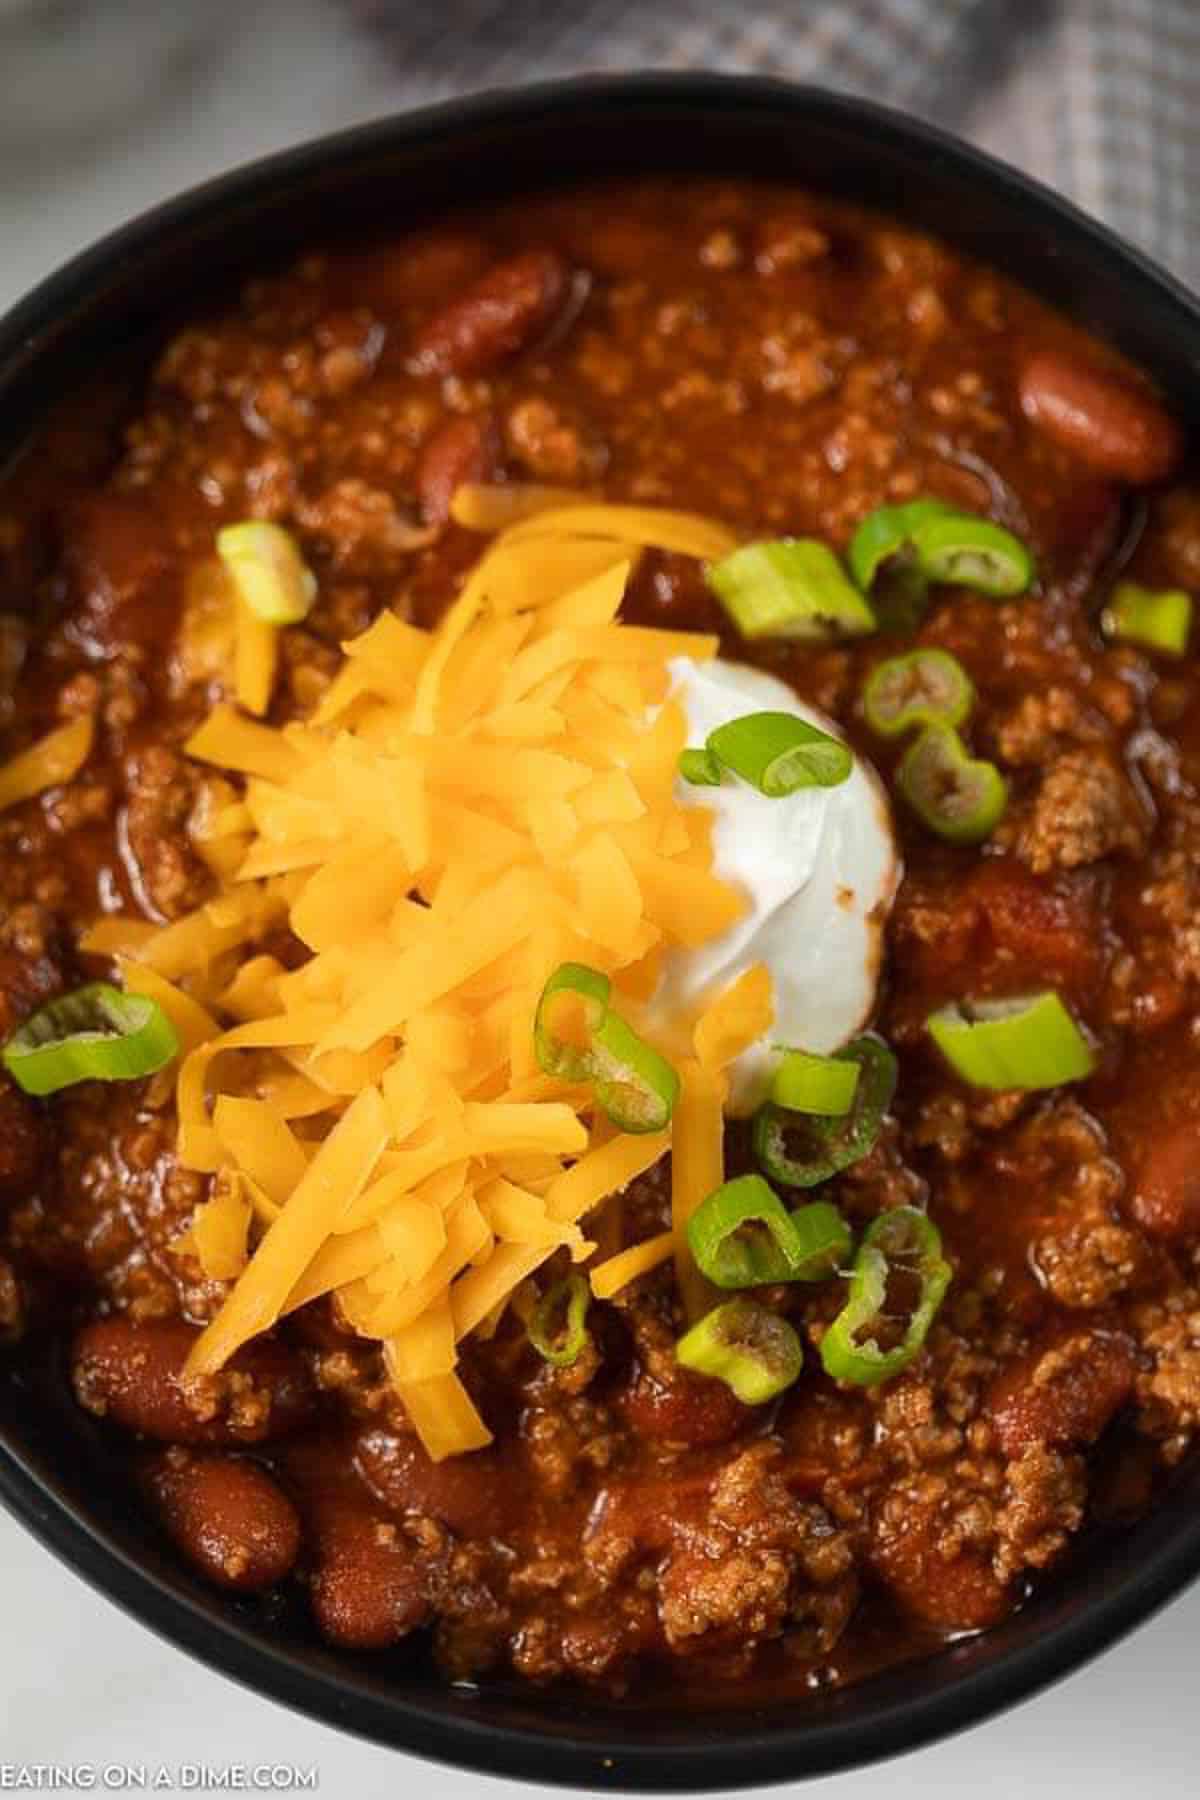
(742, 1757)
(24, 325)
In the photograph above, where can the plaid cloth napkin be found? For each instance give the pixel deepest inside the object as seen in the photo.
(1099, 98)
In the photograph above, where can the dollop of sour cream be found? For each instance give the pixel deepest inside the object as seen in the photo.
(819, 869)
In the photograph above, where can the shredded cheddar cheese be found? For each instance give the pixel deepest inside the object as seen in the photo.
(697, 1168)
(219, 1231)
(255, 656)
(224, 639)
(608, 1278)
(462, 811)
(53, 760)
(737, 1018)
(734, 1019)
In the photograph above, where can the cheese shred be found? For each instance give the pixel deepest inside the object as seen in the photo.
(53, 760)
(464, 809)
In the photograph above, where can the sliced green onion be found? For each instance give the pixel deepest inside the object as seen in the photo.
(777, 753)
(742, 1235)
(801, 1150)
(1029, 1043)
(970, 552)
(700, 767)
(815, 1084)
(901, 1242)
(268, 571)
(96, 1033)
(959, 797)
(557, 1327)
(747, 1346)
(1157, 620)
(898, 550)
(791, 587)
(575, 996)
(824, 1238)
(926, 687)
(634, 1086)
(887, 533)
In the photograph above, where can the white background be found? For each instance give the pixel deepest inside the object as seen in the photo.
(81, 1684)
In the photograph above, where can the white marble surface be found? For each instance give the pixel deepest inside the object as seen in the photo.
(80, 1683)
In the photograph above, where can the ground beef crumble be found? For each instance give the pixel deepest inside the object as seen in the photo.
(1084, 810)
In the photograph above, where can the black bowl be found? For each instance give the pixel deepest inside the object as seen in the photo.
(103, 313)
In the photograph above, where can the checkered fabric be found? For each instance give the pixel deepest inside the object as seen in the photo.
(1096, 97)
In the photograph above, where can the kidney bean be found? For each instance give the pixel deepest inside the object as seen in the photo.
(689, 1410)
(367, 1588)
(668, 590)
(506, 309)
(418, 269)
(956, 1593)
(227, 1516)
(999, 929)
(1114, 427)
(130, 1373)
(1165, 1200)
(647, 1512)
(465, 449)
(469, 1494)
(1063, 1391)
(1036, 924)
(824, 1435)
